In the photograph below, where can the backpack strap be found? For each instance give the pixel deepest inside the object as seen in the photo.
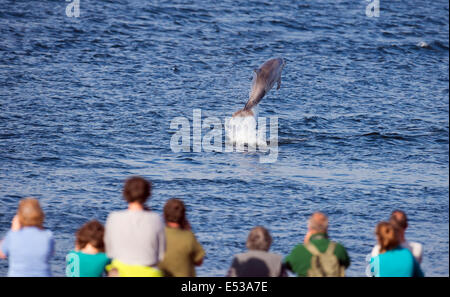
(312, 249)
(331, 248)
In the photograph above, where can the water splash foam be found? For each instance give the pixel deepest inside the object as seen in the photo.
(243, 131)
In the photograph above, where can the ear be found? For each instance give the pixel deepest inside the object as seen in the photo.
(257, 71)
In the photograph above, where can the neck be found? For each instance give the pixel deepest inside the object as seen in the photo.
(135, 206)
(173, 225)
(21, 227)
(90, 249)
(313, 232)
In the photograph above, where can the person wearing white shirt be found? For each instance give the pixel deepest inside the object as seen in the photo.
(400, 220)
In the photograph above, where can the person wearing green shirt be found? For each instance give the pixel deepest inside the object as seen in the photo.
(183, 251)
(88, 259)
(302, 259)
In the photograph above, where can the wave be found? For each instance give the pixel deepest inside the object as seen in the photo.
(385, 136)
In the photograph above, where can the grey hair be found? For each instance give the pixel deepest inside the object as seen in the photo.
(259, 239)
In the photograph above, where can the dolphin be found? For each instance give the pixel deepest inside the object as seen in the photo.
(265, 77)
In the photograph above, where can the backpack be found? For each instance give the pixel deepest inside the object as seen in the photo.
(324, 264)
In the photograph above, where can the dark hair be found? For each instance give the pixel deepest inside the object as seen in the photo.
(175, 211)
(92, 232)
(137, 189)
(259, 239)
(387, 236)
(399, 219)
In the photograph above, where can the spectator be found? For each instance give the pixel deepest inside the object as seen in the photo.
(183, 251)
(257, 262)
(400, 221)
(134, 238)
(318, 255)
(88, 259)
(393, 259)
(28, 246)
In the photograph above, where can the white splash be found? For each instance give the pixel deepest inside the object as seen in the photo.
(423, 44)
(243, 131)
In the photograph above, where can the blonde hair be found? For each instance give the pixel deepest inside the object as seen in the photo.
(30, 213)
(387, 236)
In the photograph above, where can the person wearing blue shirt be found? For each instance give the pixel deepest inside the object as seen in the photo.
(393, 260)
(28, 246)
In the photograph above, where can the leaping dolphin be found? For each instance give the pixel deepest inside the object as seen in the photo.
(265, 78)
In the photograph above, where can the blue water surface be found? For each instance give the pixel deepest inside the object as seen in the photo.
(363, 117)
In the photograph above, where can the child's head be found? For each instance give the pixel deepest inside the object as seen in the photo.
(91, 233)
(30, 213)
(175, 211)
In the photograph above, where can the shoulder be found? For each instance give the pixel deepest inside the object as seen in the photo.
(103, 257)
(403, 250)
(375, 251)
(48, 234)
(10, 234)
(298, 251)
(154, 218)
(339, 246)
(115, 215)
(274, 257)
(240, 256)
(341, 253)
(243, 257)
(153, 221)
(399, 254)
(190, 234)
(40, 233)
(124, 214)
(187, 234)
(72, 254)
(403, 255)
(179, 233)
(340, 250)
(267, 255)
(299, 248)
(153, 215)
(415, 247)
(6, 241)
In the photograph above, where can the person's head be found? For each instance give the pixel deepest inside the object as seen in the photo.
(318, 223)
(30, 213)
(137, 189)
(387, 236)
(259, 239)
(175, 212)
(91, 233)
(399, 219)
